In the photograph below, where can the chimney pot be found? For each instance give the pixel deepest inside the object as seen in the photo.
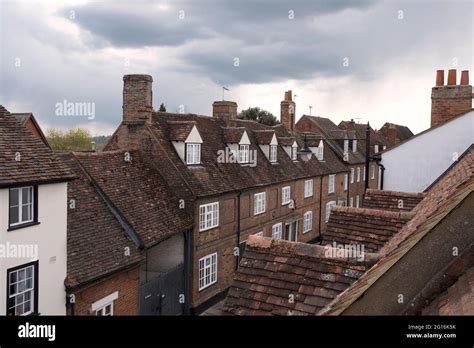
(464, 77)
(439, 78)
(452, 77)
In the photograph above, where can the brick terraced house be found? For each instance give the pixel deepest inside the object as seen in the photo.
(234, 177)
(421, 263)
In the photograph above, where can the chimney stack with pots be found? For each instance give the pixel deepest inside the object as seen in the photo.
(287, 111)
(450, 100)
(137, 98)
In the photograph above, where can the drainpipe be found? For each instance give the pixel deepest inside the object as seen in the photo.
(187, 270)
(382, 168)
(367, 156)
(238, 229)
(320, 207)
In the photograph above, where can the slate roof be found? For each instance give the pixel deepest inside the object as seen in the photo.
(139, 193)
(96, 241)
(286, 141)
(448, 192)
(390, 200)
(277, 277)
(263, 137)
(371, 228)
(38, 164)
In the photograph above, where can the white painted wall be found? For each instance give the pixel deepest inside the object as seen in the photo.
(415, 164)
(50, 237)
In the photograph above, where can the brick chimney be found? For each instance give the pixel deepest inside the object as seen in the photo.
(137, 97)
(450, 100)
(287, 111)
(226, 110)
(391, 134)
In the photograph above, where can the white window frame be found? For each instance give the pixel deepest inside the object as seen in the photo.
(307, 221)
(372, 176)
(329, 205)
(244, 153)
(259, 201)
(276, 231)
(358, 174)
(294, 153)
(273, 153)
(363, 175)
(308, 188)
(260, 234)
(351, 202)
(193, 153)
(352, 175)
(207, 272)
(21, 205)
(101, 305)
(357, 201)
(22, 288)
(210, 213)
(376, 148)
(332, 183)
(346, 182)
(354, 145)
(346, 146)
(285, 195)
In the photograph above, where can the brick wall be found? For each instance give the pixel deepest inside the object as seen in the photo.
(125, 282)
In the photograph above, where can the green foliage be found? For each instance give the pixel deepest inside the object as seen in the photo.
(162, 108)
(259, 115)
(77, 139)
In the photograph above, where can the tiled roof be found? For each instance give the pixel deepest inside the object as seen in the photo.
(179, 130)
(96, 242)
(336, 136)
(376, 138)
(263, 137)
(139, 193)
(277, 277)
(371, 228)
(402, 132)
(439, 201)
(391, 200)
(233, 135)
(37, 162)
(213, 177)
(286, 141)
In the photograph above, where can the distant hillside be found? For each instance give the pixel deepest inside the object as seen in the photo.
(100, 141)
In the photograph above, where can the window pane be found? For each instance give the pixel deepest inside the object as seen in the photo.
(14, 215)
(14, 195)
(26, 195)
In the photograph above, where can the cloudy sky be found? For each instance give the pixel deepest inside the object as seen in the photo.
(371, 60)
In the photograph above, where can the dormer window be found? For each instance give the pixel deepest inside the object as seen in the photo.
(354, 145)
(320, 152)
(193, 153)
(273, 153)
(244, 153)
(376, 147)
(294, 150)
(346, 146)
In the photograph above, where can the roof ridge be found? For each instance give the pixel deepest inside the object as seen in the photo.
(404, 215)
(312, 251)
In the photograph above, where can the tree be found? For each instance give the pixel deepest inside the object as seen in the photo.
(259, 115)
(162, 108)
(77, 139)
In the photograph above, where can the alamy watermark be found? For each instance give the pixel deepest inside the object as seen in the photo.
(232, 156)
(23, 251)
(75, 109)
(351, 251)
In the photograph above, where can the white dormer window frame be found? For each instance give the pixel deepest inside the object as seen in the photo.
(273, 153)
(346, 146)
(352, 175)
(294, 153)
(376, 148)
(354, 145)
(320, 152)
(358, 174)
(244, 150)
(346, 182)
(372, 176)
(193, 153)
